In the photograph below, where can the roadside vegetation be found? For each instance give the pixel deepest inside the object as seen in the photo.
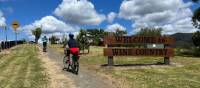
(21, 68)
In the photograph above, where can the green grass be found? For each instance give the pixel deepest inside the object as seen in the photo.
(187, 75)
(21, 68)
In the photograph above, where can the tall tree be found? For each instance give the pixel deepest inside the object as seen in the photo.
(196, 39)
(37, 33)
(196, 16)
(83, 40)
(53, 39)
(196, 23)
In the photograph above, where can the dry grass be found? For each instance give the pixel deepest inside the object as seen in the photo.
(184, 73)
(21, 68)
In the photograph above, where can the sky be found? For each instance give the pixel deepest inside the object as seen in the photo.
(58, 17)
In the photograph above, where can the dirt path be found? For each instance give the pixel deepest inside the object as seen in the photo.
(57, 78)
(60, 78)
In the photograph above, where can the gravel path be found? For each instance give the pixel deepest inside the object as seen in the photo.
(85, 79)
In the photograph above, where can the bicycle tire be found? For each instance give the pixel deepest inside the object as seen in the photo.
(76, 69)
(75, 66)
(65, 63)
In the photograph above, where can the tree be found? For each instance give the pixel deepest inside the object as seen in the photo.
(96, 36)
(150, 32)
(196, 16)
(37, 33)
(195, 1)
(196, 39)
(53, 39)
(196, 24)
(83, 40)
(120, 32)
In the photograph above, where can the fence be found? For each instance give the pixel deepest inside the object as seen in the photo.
(9, 44)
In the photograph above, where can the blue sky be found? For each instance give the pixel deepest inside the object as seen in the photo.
(28, 11)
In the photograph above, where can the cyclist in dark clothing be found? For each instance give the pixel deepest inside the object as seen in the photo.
(72, 43)
(44, 40)
(73, 46)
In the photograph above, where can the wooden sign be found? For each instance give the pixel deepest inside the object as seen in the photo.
(137, 39)
(138, 52)
(15, 25)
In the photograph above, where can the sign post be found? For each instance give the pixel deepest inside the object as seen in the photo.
(110, 51)
(15, 25)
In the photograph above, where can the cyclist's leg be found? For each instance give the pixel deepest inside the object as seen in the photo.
(75, 63)
(43, 46)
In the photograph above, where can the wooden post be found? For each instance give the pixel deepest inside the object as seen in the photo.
(166, 59)
(110, 61)
(110, 58)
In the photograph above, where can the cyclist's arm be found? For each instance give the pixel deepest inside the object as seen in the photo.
(66, 47)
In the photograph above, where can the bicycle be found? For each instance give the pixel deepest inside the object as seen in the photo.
(71, 64)
(44, 47)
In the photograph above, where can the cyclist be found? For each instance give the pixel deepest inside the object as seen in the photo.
(44, 40)
(72, 46)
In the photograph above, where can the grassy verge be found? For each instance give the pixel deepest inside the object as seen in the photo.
(21, 68)
(184, 76)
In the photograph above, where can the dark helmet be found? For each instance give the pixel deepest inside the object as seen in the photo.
(71, 36)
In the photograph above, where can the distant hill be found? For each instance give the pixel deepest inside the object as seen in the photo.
(182, 39)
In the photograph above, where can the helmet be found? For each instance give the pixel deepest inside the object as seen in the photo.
(71, 36)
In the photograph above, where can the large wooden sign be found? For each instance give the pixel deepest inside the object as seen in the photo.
(138, 52)
(110, 51)
(137, 39)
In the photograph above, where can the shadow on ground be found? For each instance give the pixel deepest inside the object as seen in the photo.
(133, 65)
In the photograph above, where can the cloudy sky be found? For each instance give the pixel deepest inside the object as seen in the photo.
(58, 17)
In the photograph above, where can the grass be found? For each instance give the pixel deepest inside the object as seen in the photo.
(187, 75)
(21, 68)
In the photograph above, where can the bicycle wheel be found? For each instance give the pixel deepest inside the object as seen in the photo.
(66, 63)
(75, 65)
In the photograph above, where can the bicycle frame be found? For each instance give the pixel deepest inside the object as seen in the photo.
(73, 63)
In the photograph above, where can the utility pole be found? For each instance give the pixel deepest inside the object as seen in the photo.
(6, 43)
(6, 33)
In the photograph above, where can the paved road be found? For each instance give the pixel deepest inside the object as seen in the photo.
(85, 79)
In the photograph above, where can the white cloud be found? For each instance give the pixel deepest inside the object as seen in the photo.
(114, 27)
(158, 13)
(111, 16)
(2, 19)
(79, 12)
(50, 26)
